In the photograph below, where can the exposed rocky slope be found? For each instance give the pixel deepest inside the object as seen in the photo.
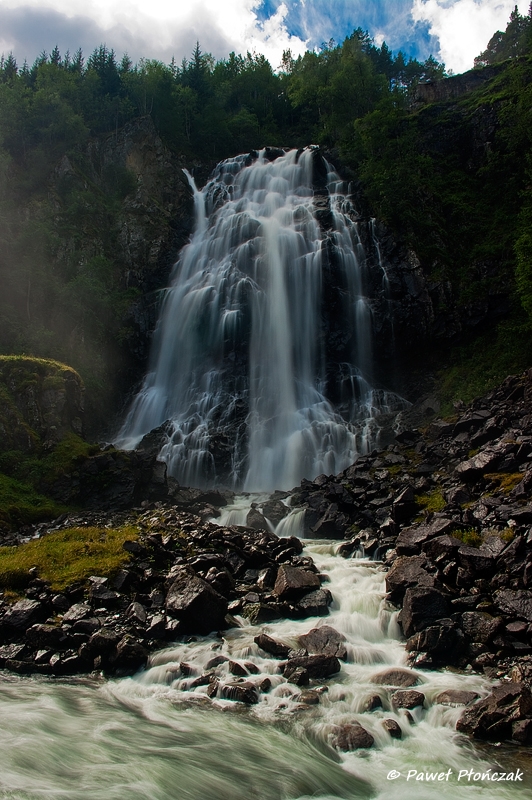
(447, 509)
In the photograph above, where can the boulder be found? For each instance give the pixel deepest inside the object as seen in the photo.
(515, 603)
(195, 603)
(443, 642)
(456, 697)
(408, 698)
(315, 604)
(318, 666)
(292, 582)
(23, 613)
(324, 641)
(493, 717)
(393, 728)
(351, 737)
(480, 626)
(422, 607)
(396, 676)
(410, 540)
(245, 692)
(406, 572)
(272, 646)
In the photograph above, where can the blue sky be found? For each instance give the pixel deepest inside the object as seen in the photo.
(454, 31)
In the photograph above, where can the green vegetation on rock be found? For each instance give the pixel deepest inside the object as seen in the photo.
(65, 557)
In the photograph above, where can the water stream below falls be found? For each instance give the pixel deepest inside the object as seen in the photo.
(155, 737)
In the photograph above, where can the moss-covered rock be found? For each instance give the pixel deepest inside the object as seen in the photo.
(41, 402)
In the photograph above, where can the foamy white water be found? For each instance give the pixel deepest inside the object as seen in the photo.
(241, 363)
(152, 736)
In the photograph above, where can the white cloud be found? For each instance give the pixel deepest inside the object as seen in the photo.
(464, 27)
(159, 28)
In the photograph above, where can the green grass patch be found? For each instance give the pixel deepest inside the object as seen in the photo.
(504, 481)
(22, 504)
(469, 536)
(432, 501)
(66, 557)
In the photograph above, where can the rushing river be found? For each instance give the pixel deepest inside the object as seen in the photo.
(152, 737)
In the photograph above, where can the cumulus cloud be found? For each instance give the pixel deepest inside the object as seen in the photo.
(159, 29)
(464, 27)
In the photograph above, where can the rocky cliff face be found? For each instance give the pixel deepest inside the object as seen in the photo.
(41, 401)
(151, 221)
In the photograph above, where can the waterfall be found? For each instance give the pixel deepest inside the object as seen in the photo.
(262, 356)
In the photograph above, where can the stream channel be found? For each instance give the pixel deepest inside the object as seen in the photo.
(153, 737)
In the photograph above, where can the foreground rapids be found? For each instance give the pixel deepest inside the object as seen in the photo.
(159, 736)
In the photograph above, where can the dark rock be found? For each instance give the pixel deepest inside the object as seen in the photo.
(319, 666)
(393, 728)
(475, 560)
(410, 540)
(256, 520)
(472, 469)
(23, 613)
(310, 698)
(408, 699)
(406, 572)
(136, 613)
(516, 603)
(76, 612)
(292, 582)
(272, 646)
(195, 603)
(45, 636)
(421, 608)
(479, 626)
(315, 604)
(493, 717)
(299, 676)
(396, 676)
(351, 737)
(324, 640)
(259, 613)
(275, 511)
(104, 641)
(244, 692)
(130, 653)
(237, 669)
(443, 642)
(522, 731)
(373, 702)
(456, 697)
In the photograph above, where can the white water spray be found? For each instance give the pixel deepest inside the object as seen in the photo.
(241, 364)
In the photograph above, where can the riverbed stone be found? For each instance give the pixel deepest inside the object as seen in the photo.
(351, 737)
(396, 676)
(408, 698)
(422, 606)
(195, 603)
(324, 640)
(292, 582)
(456, 697)
(272, 646)
(318, 666)
(492, 718)
(392, 727)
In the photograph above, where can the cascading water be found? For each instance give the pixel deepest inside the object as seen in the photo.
(259, 382)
